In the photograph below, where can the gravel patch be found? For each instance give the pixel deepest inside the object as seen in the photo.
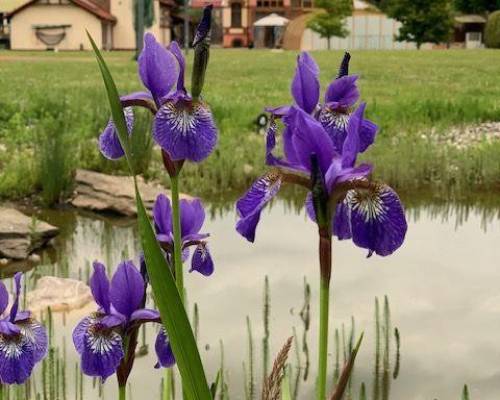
(462, 137)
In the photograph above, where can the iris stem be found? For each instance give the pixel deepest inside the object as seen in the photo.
(325, 257)
(122, 392)
(167, 384)
(179, 277)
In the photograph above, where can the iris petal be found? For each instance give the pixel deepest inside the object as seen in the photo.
(8, 328)
(102, 352)
(177, 52)
(250, 206)
(145, 314)
(342, 92)
(367, 133)
(185, 129)
(16, 359)
(378, 220)
(341, 221)
(15, 306)
(4, 297)
(163, 349)
(80, 331)
(158, 68)
(109, 141)
(308, 137)
(202, 260)
(335, 124)
(99, 285)
(352, 144)
(305, 84)
(192, 216)
(271, 141)
(36, 334)
(127, 288)
(162, 215)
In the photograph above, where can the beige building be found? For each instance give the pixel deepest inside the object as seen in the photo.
(62, 24)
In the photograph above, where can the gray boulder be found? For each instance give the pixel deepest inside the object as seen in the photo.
(20, 235)
(116, 194)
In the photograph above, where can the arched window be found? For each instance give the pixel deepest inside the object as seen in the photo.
(236, 15)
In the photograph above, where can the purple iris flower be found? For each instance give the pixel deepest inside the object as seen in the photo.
(183, 126)
(100, 337)
(23, 341)
(340, 99)
(192, 218)
(370, 214)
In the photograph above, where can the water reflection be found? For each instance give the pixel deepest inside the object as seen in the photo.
(442, 287)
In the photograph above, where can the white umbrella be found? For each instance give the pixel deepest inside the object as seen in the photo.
(272, 20)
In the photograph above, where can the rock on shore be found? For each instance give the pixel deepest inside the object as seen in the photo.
(106, 193)
(20, 235)
(58, 294)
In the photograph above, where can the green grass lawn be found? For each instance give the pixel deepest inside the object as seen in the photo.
(408, 93)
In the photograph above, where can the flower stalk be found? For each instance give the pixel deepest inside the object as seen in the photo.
(122, 392)
(325, 260)
(322, 209)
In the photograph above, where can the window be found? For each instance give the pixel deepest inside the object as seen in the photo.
(236, 15)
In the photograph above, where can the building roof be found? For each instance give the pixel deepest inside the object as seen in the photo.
(87, 5)
(470, 19)
(6, 6)
(272, 20)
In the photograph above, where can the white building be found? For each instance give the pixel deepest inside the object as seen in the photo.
(369, 28)
(61, 24)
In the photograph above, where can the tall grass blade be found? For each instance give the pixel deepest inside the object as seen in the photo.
(265, 339)
(286, 393)
(346, 372)
(251, 372)
(465, 393)
(397, 337)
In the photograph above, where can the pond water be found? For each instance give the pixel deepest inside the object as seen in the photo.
(442, 286)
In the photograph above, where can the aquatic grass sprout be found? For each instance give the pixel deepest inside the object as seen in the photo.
(107, 338)
(23, 340)
(192, 215)
(183, 124)
(321, 144)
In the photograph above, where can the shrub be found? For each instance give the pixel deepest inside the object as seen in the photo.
(492, 31)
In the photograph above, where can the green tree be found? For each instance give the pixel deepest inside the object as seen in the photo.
(477, 6)
(422, 20)
(380, 4)
(492, 31)
(329, 20)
